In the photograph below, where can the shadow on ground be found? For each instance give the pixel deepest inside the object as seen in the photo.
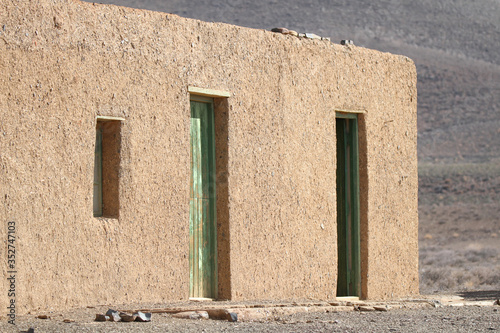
(484, 295)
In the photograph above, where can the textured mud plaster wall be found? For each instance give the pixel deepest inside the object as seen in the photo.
(63, 63)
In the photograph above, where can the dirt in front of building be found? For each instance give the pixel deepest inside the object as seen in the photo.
(399, 318)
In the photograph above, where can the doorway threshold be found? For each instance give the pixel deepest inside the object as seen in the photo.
(201, 299)
(347, 298)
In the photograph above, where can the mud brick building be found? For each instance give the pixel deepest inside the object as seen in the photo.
(146, 157)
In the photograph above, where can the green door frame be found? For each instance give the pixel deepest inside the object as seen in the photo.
(202, 209)
(349, 269)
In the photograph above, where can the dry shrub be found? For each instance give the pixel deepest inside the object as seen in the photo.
(445, 270)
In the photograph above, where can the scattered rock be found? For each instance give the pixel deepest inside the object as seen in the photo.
(101, 317)
(113, 315)
(43, 317)
(312, 36)
(68, 321)
(143, 316)
(233, 317)
(281, 30)
(218, 314)
(286, 31)
(127, 318)
(366, 308)
(222, 314)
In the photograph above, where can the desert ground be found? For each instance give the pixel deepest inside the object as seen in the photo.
(459, 228)
(405, 317)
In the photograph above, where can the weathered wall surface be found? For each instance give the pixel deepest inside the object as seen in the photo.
(64, 62)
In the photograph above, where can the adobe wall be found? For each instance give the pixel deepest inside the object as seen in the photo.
(64, 62)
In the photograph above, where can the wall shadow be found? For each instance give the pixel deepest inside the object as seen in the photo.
(363, 203)
(483, 295)
(221, 108)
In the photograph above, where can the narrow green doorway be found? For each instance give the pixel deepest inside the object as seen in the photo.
(348, 282)
(202, 209)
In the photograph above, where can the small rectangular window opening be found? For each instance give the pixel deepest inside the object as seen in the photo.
(106, 167)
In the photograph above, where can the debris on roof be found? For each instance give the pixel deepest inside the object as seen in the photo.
(308, 35)
(346, 42)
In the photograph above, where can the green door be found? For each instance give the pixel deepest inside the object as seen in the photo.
(202, 210)
(348, 283)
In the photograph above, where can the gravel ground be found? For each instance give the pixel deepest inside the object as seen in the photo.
(424, 319)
